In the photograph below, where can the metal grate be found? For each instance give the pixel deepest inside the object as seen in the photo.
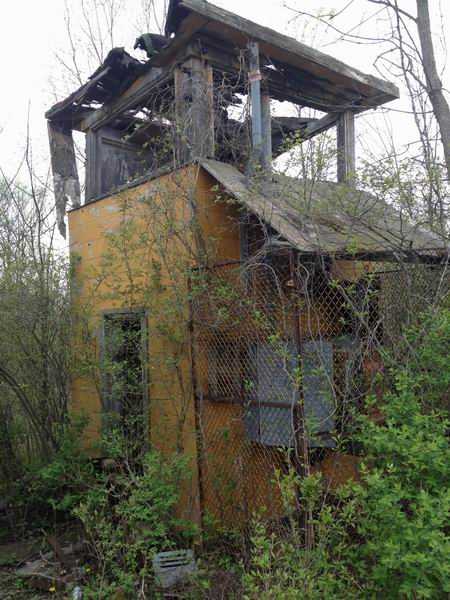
(174, 567)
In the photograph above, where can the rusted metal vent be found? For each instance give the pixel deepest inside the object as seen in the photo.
(172, 568)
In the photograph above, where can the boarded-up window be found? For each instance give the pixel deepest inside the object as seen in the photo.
(112, 162)
(268, 414)
(269, 411)
(317, 359)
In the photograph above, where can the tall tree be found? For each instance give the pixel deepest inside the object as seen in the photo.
(426, 54)
(433, 81)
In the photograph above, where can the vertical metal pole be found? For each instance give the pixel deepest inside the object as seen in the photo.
(266, 131)
(197, 410)
(145, 350)
(301, 444)
(244, 249)
(254, 78)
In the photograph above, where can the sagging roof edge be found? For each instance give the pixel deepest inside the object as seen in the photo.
(236, 185)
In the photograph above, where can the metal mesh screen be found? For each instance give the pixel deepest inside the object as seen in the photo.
(269, 338)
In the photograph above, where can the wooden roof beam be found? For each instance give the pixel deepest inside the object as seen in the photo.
(281, 85)
(134, 96)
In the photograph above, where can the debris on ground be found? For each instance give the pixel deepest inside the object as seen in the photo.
(25, 569)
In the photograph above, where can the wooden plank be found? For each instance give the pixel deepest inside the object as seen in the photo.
(203, 109)
(147, 130)
(296, 86)
(299, 87)
(346, 154)
(311, 129)
(92, 171)
(66, 184)
(112, 162)
(77, 96)
(285, 130)
(291, 51)
(321, 125)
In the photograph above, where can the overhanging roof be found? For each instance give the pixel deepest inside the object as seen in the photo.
(326, 217)
(317, 217)
(188, 17)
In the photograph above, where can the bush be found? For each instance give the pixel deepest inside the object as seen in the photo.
(129, 515)
(404, 500)
(281, 567)
(387, 536)
(126, 505)
(44, 494)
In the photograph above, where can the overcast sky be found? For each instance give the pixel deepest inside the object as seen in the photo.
(33, 32)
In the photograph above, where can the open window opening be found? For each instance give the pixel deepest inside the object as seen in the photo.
(124, 373)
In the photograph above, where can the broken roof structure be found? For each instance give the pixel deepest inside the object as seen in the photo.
(177, 107)
(291, 70)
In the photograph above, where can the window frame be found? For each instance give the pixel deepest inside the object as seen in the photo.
(106, 408)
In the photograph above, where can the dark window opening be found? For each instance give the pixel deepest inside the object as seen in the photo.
(124, 370)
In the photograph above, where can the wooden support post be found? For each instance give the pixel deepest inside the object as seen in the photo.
(66, 184)
(346, 157)
(266, 132)
(254, 78)
(194, 107)
(92, 188)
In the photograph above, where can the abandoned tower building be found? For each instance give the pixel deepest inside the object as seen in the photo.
(241, 312)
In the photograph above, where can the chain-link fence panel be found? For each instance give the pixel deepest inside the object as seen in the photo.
(285, 353)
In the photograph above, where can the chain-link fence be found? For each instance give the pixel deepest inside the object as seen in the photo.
(285, 353)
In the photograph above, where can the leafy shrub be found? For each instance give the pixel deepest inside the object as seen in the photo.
(62, 482)
(387, 536)
(281, 567)
(404, 501)
(429, 346)
(129, 515)
(126, 505)
(44, 493)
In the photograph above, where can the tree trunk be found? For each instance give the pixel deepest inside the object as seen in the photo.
(434, 84)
